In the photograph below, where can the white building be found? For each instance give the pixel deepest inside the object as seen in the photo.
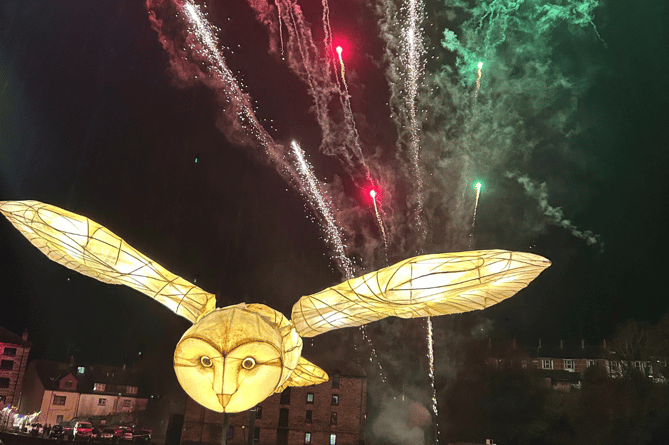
(66, 391)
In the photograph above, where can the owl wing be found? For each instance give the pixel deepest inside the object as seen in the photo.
(423, 286)
(305, 374)
(85, 246)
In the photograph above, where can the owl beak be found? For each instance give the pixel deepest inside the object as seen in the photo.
(224, 399)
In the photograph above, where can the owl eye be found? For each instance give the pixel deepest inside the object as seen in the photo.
(248, 363)
(206, 361)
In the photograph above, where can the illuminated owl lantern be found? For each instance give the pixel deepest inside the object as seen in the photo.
(235, 357)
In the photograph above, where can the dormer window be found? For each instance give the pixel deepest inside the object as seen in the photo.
(99, 387)
(68, 384)
(131, 390)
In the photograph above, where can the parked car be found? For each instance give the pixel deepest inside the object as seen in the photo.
(107, 434)
(82, 429)
(143, 436)
(57, 431)
(123, 432)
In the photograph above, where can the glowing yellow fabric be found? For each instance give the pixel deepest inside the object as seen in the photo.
(85, 246)
(423, 286)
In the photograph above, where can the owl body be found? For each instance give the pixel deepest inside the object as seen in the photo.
(235, 357)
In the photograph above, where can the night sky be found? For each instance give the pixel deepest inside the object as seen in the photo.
(95, 118)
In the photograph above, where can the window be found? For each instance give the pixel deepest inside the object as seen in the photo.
(59, 400)
(547, 364)
(569, 364)
(11, 352)
(333, 439)
(256, 435)
(102, 401)
(231, 432)
(310, 397)
(131, 390)
(99, 387)
(589, 363)
(283, 417)
(309, 416)
(335, 400)
(4, 382)
(613, 365)
(637, 365)
(285, 396)
(333, 418)
(7, 365)
(258, 412)
(81, 369)
(59, 419)
(335, 381)
(127, 403)
(68, 384)
(307, 438)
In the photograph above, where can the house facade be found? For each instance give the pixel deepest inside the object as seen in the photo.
(62, 392)
(332, 413)
(14, 352)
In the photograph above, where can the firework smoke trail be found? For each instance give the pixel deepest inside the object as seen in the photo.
(278, 10)
(314, 190)
(478, 79)
(412, 42)
(378, 218)
(556, 214)
(208, 48)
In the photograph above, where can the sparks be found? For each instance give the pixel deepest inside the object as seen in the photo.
(314, 191)
(413, 52)
(476, 204)
(478, 79)
(430, 353)
(372, 193)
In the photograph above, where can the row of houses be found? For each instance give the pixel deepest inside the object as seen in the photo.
(562, 366)
(60, 392)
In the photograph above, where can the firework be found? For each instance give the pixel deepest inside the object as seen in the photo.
(372, 193)
(478, 79)
(313, 190)
(430, 354)
(278, 10)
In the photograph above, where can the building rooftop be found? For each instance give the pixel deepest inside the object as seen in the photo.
(11, 338)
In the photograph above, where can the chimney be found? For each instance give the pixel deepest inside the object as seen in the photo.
(561, 344)
(582, 343)
(25, 335)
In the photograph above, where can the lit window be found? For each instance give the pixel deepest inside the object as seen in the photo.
(335, 399)
(569, 364)
(547, 364)
(333, 439)
(10, 352)
(81, 369)
(307, 438)
(99, 387)
(590, 363)
(102, 401)
(131, 390)
(310, 397)
(59, 400)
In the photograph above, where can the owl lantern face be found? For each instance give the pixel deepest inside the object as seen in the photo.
(231, 360)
